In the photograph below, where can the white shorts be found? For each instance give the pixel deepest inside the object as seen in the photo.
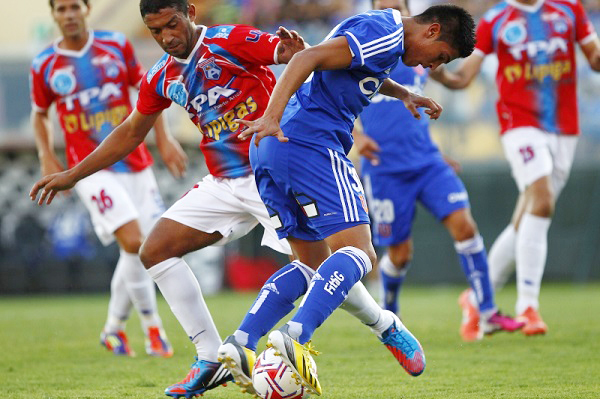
(232, 207)
(114, 199)
(534, 153)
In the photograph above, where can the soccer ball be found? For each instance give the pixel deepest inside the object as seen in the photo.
(272, 378)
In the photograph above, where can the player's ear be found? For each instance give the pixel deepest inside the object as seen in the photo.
(433, 31)
(192, 12)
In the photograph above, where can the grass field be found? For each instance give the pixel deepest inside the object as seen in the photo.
(49, 349)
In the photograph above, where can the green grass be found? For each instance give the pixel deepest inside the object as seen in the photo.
(49, 349)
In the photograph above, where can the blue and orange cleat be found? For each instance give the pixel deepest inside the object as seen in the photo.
(157, 343)
(203, 376)
(404, 346)
(117, 343)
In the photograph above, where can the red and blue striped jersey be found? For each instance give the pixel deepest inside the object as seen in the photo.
(225, 77)
(90, 89)
(537, 74)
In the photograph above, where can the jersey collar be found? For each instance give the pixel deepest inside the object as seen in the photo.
(73, 53)
(526, 7)
(198, 43)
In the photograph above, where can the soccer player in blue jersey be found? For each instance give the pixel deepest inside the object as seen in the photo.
(312, 191)
(400, 166)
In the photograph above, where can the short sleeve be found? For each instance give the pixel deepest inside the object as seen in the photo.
(41, 95)
(149, 101)
(246, 43)
(135, 71)
(485, 40)
(376, 39)
(584, 30)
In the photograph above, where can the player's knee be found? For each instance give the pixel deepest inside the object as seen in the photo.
(465, 231)
(543, 207)
(131, 244)
(401, 258)
(149, 255)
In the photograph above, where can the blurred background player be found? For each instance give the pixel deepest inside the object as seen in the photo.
(400, 166)
(308, 184)
(217, 74)
(539, 126)
(87, 75)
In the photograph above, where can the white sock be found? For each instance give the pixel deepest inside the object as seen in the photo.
(119, 305)
(361, 305)
(388, 268)
(141, 289)
(182, 292)
(502, 256)
(532, 248)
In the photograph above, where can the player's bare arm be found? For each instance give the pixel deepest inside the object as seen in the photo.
(412, 101)
(461, 77)
(329, 55)
(365, 145)
(44, 140)
(591, 50)
(169, 149)
(124, 139)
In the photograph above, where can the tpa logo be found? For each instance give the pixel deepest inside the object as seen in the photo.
(63, 81)
(101, 94)
(211, 70)
(213, 95)
(533, 48)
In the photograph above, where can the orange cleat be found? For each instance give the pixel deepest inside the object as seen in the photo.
(469, 326)
(534, 325)
(157, 343)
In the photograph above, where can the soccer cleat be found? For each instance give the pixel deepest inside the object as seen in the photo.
(157, 343)
(203, 376)
(239, 360)
(534, 325)
(500, 322)
(117, 343)
(298, 358)
(404, 346)
(469, 326)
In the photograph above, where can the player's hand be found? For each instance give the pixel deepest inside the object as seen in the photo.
(291, 43)
(174, 157)
(414, 101)
(50, 185)
(367, 147)
(50, 165)
(263, 127)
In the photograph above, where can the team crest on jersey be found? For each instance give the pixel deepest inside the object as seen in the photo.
(211, 70)
(514, 33)
(560, 25)
(177, 92)
(63, 81)
(110, 67)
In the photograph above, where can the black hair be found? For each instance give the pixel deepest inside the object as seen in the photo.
(457, 26)
(154, 6)
(51, 2)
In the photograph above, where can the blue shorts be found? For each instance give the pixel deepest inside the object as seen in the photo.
(393, 197)
(310, 192)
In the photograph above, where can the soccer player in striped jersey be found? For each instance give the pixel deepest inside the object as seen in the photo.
(535, 41)
(312, 191)
(400, 166)
(87, 75)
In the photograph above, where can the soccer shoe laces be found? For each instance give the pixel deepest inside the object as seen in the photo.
(399, 340)
(311, 349)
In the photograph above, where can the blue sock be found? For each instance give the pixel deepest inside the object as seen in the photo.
(475, 266)
(391, 281)
(328, 289)
(275, 300)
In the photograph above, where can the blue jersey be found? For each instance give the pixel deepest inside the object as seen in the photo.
(404, 140)
(323, 109)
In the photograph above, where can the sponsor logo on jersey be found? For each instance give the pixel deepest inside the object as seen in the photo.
(533, 48)
(155, 69)
(334, 282)
(101, 94)
(223, 32)
(458, 197)
(211, 96)
(369, 86)
(63, 81)
(177, 92)
(211, 70)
